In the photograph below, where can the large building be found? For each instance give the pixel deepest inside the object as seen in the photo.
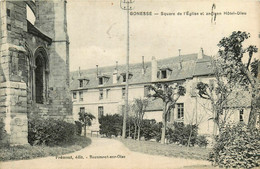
(101, 91)
(34, 64)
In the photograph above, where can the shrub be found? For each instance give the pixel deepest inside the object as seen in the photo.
(78, 127)
(181, 134)
(2, 131)
(50, 131)
(111, 125)
(202, 141)
(237, 147)
(151, 130)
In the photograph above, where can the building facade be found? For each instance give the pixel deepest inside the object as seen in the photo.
(101, 91)
(34, 64)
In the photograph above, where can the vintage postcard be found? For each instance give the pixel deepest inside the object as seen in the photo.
(135, 84)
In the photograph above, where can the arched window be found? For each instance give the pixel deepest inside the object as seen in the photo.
(40, 76)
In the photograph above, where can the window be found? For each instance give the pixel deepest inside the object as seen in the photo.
(101, 94)
(124, 78)
(74, 95)
(107, 93)
(80, 96)
(241, 113)
(8, 12)
(82, 109)
(123, 92)
(100, 81)
(80, 83)
(100, 111)
(163, 74)
(180, 108)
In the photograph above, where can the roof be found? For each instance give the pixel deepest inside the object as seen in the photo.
(182, 67)
(34, 31)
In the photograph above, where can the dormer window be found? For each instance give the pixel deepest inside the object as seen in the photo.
(130, 75)
(124, 78)
(80, 83)
(103, 79)
(83, 82)
(100, 81)
(164, 73)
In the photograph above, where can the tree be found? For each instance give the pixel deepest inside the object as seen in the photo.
(86, 119)
(169, 95)
(217, 92)
(232, 52)
(139, 106)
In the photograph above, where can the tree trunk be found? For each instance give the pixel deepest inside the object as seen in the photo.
(190, 136)
(163, 125)
(139, 130)
(135, 132)
(254, 109)
(85, 129)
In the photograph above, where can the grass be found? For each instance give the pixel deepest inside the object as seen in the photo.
(29, 152)
(169, 150)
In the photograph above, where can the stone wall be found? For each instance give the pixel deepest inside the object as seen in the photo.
(21, 43)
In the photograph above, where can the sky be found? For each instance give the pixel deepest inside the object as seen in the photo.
(98, 28)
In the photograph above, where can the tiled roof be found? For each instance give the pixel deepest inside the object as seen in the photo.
(182, 67)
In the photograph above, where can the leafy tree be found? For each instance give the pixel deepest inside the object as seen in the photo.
(111, 125)
(169, 95)
(139, 106)
(86, 119)
(217, 92)
(233, 53)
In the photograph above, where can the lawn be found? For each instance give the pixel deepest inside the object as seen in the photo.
(169, 150)
(29, 152)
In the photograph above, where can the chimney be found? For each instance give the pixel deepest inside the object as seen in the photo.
(97, 70)
(180, 59)
(143, 69)
(79, 72)
(115, 73)
(200, 54)
(154, 69)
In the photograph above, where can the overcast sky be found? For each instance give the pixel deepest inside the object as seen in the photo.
(97, 29)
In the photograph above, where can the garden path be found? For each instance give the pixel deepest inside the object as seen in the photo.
(107, 154)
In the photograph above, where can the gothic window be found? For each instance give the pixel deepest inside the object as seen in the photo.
(40, 76)
(39, 79)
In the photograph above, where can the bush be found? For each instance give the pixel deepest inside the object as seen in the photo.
(50, 132)
(111, 125)
(151, 130)
(78, 127)
(237, 146)
(181, 133)
(202, 141)
(2, 130)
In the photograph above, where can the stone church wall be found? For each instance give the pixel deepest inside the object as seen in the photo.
(34, 65)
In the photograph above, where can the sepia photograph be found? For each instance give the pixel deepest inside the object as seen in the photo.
(129, 84)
